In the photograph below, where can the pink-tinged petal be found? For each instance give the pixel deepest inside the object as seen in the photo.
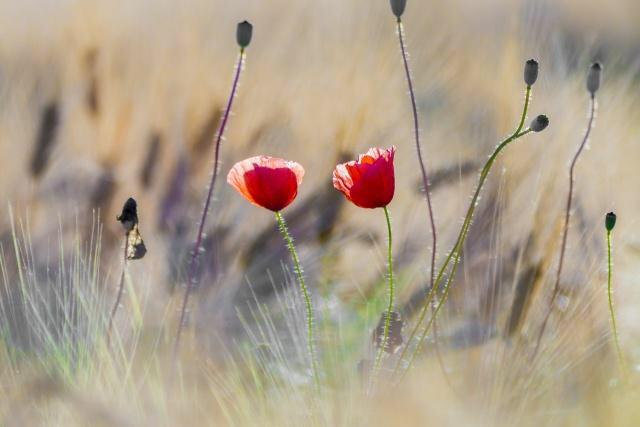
(235, 177)
(268, 182)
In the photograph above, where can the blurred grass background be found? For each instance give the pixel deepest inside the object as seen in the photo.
(104, 100)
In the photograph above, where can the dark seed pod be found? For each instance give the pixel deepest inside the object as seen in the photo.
(531, 72)
(129, 215)
(394, 339)
(594, 77)
(244, 33)
(540, 123)
(135, 247)
(397, 6)
(610, 221)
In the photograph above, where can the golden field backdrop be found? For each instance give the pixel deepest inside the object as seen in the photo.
(102, 100)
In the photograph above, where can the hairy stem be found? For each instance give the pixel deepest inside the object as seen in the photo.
(621, 360)
(305, 294)
(425, 182)
(565, 230)
(196, 248)
(416, 131)
(454, 254)
(387, 323)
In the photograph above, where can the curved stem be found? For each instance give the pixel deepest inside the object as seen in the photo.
(425, 183)
(114, 310)
(305, 294)
(454, 254)
(416, 131)
(387, 322)
(565, 230)
(199, 236)
(621, 361)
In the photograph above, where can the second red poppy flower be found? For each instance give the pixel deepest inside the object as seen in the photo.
(368, 182)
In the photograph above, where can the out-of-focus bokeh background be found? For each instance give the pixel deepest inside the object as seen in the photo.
(103, 100)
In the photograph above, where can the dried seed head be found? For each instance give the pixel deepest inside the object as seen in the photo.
(397, 6)
(244, 33)
(531, 72)
(129, 215)
(610, 221)
(394, 339)
(540, 123)
(594, 77)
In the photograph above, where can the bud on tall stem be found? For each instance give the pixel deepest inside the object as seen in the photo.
(244, 33)
(594, 77)
(397, 7)
(610, 221)
(540, 123)
(531, 72)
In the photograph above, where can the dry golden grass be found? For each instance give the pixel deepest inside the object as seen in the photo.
(322, 80)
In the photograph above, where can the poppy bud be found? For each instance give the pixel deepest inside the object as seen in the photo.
(594, 77)
(531, 72)
(610, 221)
(397, 6)
(540, 123)
(244, 33)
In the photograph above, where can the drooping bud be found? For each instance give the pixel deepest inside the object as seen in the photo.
(244, 33)
(129, 216)
(531, 72)
(594, 77)
(610, 221)
(135, 247)
(397, 6)
(540, 123)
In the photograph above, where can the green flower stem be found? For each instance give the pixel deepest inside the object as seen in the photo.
(387, 323)
(305, 293)
(454, 254)
(621, 360)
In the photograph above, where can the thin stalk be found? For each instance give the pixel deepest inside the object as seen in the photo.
(565, 231)
(387, 323)
(416, 131)
(621, 360)
(425, 183)
(305, 294)
(196, 248)
(114, 310)
(454, 254)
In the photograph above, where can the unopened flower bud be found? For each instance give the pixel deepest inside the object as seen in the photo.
(594, 77)
(244, 33)
(610, 221)
(540, 123)
(397, 6)
(531, 72)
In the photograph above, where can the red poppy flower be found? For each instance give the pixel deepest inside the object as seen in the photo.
(267, 182)
(368, 182)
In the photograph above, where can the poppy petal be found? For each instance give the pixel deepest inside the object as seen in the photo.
(268, 182)
(368, 182)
